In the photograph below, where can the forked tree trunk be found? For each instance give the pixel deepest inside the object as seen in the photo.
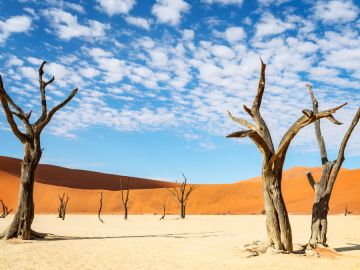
(24, 216)
(323, 188)
(182, 193)
(182, 210)
(319, 220)
(277, 220)
(30, 138)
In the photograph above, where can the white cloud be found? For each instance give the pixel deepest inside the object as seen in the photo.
(269, 25)
(169, 11)
(223, 2)
(15, 24)
(14, 61)
(89, 72)
(137, 21)
(34, 61)
(112, 7)
(113, 67)
(64, 4)
(272, 2)
(222, 51)
(234, 34)
(68, 27)
(336, 11)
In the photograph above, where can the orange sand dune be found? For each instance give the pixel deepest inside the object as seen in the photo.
(64, 177)
(148, 196)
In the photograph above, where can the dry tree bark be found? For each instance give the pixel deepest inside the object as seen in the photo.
(99, 212)
(30, 138)
(182, 194)
(62, 206)
(277, 220)
(324, 187)
(125, 198)
(164, 212)
(5, 210)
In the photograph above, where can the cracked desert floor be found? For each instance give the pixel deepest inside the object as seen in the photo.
(198, 242)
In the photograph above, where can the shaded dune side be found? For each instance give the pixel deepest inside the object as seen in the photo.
(243, 197)
(80, 179)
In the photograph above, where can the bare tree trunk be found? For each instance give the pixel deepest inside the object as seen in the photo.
(277, 220)
(125, 198)
(99, 212)
(323, 188)
(164, 212)
(182, 193)
(125, 212)
(182, 210)
(5, 210)
(29, 136)
(24, 216)
(319, 220)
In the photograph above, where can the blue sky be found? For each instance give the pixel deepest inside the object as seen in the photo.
(156, 78)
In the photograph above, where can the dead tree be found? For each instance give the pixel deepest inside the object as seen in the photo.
(99, 212)
(5, 210)
(164, 212)
(62, 205)
(125, 198)
(324, 186)
(181, 193)
(277, 220)
(30, 138)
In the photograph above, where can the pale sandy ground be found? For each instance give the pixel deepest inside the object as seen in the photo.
(199, 242)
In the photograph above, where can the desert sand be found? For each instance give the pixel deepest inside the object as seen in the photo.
(243, 197)
(198, 242)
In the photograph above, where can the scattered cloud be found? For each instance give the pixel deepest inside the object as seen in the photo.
(137, 21)
(235, 34)
(112, 7)
(270, 25)
(169, 11)
(185, 77)
(336, 11)
(224, 2)
(67, 26)
(15, 24)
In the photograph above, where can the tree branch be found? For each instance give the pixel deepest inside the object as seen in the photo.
(5, 99)
(341, 157)
(319, 137)
(348, 134)
(257, 102)
(296, 127)
(242, 122)
(47, 119)
(311, 180)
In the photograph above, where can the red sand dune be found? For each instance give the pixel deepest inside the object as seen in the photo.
(148, 196)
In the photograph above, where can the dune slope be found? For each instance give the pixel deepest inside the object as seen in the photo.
(148, 196)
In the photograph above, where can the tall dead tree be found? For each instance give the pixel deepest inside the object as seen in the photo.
(277, 220)
(30, 138)
(324, 186)
(125, 198)
(5, 210)
(100, 207)
(182, 193)
(62, 206)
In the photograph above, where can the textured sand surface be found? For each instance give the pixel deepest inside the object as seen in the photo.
(199, 242)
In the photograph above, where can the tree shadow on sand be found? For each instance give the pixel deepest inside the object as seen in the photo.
(52, 237)
(349, 248)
